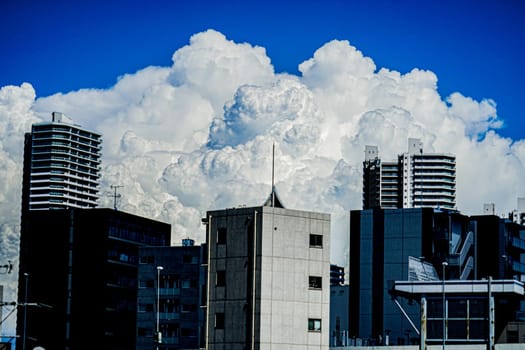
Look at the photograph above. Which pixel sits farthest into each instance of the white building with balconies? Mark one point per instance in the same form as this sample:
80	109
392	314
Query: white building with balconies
61	166
415	180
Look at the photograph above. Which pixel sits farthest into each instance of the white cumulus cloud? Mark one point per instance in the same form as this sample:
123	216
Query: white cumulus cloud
198	135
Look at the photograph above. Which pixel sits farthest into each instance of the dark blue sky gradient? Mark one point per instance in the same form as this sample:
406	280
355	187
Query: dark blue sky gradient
474	47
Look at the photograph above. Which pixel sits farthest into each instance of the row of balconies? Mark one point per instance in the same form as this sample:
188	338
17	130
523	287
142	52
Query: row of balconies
70	169
46	136
93	157
433	193
46	163
66	157
62	191
434	158
94	149
57	203
434	175
63	129
65	199
65	179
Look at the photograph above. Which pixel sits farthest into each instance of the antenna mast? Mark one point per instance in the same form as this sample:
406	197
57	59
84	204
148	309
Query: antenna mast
115	195
273	173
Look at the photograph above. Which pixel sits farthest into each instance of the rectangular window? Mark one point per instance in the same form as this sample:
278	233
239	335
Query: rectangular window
144	307
221	235
189	308
147	259
315	282
316	241
314	324
221	278
145	283
219	320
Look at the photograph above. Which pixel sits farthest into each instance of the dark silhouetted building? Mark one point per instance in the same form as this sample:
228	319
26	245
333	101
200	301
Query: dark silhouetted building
78	272
171	297
382	244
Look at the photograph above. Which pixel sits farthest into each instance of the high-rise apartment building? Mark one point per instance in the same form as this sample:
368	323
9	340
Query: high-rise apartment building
268	278
415	180
518	214
61	166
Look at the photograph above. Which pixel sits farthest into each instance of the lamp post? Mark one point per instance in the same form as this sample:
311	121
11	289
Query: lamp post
444	265
158	336
26	276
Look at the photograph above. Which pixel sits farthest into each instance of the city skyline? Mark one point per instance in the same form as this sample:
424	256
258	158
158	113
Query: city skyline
189	126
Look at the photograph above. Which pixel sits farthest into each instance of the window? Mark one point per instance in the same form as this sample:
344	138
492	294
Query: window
186	259
189	308
144	307
315	282
314	324
316	241
219	320
146	284
147	259
221	278
221	235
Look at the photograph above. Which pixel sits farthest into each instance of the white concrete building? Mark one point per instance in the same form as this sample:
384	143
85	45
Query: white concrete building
268	278
518	214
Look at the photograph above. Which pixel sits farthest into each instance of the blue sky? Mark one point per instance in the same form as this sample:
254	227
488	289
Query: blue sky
474	47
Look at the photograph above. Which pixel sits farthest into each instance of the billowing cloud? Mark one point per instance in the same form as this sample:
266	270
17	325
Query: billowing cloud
198	136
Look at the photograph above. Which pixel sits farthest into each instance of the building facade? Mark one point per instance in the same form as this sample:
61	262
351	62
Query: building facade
502	245
269	279
382	244
171	297
61	166
414	180
339	297
80	266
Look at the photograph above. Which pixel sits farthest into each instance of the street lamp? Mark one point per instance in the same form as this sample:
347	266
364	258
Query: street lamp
444	265
158	335
26	275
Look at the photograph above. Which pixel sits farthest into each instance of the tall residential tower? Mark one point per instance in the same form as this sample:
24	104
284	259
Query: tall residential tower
61	166
415	180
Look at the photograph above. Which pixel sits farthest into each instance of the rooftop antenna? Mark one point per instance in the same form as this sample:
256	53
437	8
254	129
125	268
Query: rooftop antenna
115	195
273	172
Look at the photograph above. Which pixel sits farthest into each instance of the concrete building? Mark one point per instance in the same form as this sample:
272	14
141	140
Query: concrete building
171	297
383	243
414	180
269	277
78	276
61	166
